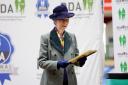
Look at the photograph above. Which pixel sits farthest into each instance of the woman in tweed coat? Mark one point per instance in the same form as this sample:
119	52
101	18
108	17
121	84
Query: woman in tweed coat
56	48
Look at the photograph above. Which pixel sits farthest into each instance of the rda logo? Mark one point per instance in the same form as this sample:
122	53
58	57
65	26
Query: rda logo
124	67
6	8
20	5
42	8
77	6
122	13
122	40
88	4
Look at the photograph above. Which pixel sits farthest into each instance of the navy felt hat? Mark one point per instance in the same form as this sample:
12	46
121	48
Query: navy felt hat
61	12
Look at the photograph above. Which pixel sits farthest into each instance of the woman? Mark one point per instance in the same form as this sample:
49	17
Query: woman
56	48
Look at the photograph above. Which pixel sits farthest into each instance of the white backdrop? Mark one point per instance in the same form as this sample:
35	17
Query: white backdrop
25	30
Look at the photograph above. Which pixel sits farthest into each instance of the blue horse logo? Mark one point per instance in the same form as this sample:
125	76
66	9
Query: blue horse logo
6	49
42	8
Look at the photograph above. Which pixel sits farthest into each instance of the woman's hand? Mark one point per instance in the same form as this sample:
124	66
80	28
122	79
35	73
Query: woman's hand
62	64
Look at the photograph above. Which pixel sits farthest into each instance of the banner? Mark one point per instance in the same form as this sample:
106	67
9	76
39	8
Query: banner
22	22
92	72
120	34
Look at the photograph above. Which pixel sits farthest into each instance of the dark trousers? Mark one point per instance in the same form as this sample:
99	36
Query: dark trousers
65	81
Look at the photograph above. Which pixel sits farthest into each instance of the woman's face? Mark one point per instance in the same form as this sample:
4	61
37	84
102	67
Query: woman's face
61	24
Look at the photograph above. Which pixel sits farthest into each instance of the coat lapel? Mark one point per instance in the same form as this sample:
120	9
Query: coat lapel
67	41
55	41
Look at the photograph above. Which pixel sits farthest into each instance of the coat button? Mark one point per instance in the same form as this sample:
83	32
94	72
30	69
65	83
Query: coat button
72	72
55	55
72	54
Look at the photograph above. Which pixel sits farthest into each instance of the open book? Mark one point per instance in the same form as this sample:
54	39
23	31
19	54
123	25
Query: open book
85	54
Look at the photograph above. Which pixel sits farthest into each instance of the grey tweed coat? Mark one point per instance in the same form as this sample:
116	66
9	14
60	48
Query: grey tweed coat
50	52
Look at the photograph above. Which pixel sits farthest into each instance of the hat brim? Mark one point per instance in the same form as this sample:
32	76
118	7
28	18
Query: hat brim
61	16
